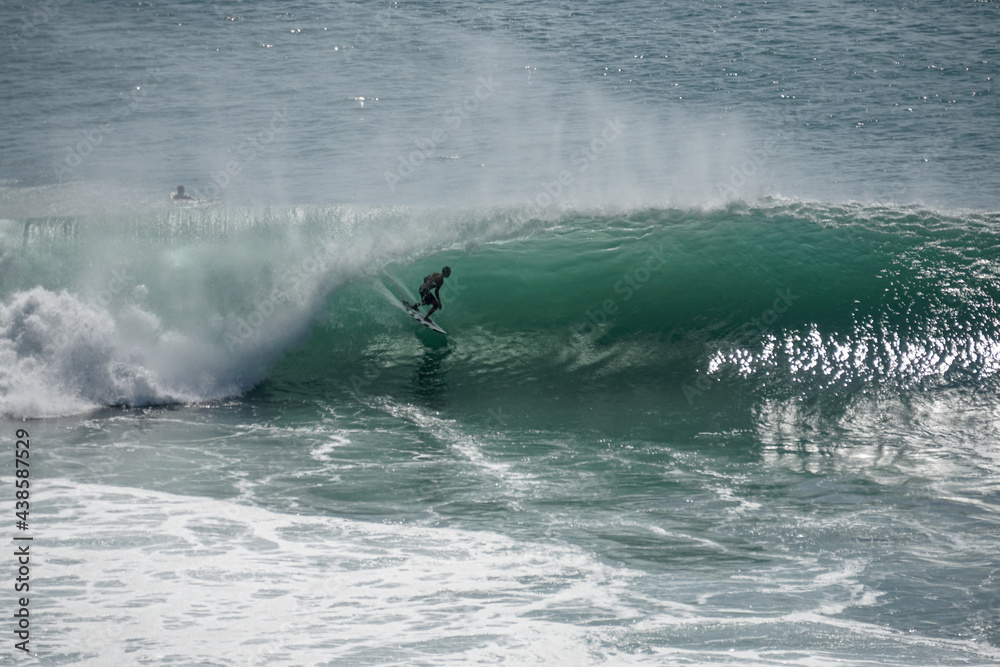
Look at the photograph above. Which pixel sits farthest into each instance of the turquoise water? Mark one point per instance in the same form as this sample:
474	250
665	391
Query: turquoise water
721	374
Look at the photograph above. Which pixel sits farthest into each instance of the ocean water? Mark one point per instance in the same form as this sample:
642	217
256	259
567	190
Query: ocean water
723	366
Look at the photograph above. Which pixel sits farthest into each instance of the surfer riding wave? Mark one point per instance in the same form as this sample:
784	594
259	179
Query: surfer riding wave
432	282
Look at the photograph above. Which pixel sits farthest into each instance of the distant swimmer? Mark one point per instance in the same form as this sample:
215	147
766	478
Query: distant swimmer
179	195
432	282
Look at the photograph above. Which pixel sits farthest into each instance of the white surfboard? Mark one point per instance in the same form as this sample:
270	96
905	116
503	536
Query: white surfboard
411	311
420	317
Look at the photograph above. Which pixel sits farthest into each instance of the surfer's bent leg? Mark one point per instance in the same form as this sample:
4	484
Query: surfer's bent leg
425	299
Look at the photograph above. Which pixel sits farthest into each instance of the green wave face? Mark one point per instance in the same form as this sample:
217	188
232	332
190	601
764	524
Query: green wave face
642	317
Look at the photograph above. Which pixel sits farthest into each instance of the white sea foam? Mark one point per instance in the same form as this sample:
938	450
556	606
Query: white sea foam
154	577
130	576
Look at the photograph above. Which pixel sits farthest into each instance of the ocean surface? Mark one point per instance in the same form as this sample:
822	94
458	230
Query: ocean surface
721	383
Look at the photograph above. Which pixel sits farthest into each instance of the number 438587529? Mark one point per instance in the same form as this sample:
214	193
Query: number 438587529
22	474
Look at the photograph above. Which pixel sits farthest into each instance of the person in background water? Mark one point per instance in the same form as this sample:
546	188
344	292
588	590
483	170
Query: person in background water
179	195
432	282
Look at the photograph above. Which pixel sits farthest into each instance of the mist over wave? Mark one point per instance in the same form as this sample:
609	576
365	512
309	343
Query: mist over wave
484	116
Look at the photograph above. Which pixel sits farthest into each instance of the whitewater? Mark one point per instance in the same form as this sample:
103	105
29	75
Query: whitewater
723	356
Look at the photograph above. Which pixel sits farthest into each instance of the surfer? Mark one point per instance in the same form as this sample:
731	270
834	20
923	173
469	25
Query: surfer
179	195
432	282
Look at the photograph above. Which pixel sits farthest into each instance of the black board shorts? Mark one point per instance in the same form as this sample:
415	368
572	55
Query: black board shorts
427	299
